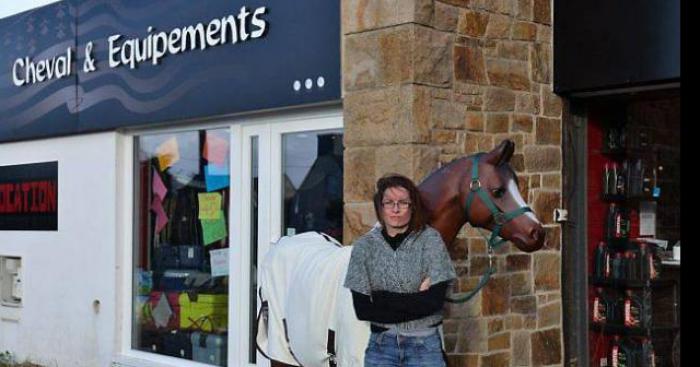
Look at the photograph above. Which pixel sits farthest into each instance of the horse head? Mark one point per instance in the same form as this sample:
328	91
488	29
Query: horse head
483	190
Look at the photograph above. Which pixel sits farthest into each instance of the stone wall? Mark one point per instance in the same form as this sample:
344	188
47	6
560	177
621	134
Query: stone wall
427	81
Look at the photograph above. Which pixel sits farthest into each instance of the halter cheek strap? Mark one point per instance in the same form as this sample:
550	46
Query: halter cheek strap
499	218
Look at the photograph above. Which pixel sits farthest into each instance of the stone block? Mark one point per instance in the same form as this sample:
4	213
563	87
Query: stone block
469	64
499	342
547	267
477	246
541	62
413	161
542	11
474	121
521	284
497	123
544	34
542	159
443	137
546	347
551	181
499	26
548	131
447	115
446	17
495	297
496	6
377	59
544	204
496	326
521	348
508	74
365	15
518	262
496	360
551	104
460	3
514	322
527	103
524	31
522	123
473	23
499	99
473	336
463	360
523	305
513	50
549	315
393	115
524	10
358	218
359	179
432	56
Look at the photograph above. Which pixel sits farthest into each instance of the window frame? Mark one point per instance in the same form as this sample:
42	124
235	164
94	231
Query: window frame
269	128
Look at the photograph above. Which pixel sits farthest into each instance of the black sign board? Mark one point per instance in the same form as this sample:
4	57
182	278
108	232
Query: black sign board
29	197
80	66
602	44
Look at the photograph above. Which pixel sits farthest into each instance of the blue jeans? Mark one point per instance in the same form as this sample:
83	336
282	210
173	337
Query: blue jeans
390	350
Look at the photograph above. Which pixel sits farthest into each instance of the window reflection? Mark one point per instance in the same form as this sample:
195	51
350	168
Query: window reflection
313	183
181	245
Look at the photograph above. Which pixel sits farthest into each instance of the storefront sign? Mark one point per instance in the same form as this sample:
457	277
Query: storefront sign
79	66
29	196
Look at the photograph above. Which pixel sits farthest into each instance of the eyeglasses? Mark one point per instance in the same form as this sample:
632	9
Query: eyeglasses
402	205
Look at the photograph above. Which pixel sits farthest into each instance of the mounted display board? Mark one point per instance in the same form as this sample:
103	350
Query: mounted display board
29	197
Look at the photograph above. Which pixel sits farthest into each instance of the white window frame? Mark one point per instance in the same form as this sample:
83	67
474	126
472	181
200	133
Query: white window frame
269	129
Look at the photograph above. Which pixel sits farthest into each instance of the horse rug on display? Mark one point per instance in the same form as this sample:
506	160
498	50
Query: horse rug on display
309	312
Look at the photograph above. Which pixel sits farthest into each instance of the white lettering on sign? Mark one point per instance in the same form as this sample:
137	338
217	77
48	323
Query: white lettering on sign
131	52
230	29
26	71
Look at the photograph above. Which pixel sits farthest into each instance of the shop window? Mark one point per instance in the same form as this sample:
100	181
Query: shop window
633	219
180	298
10	281
313	183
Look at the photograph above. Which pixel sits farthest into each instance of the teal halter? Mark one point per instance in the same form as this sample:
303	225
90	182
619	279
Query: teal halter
499	218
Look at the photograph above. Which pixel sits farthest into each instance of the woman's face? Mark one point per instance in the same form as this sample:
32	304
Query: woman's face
396	209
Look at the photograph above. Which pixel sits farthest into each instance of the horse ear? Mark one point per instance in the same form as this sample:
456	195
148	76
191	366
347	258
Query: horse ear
502	153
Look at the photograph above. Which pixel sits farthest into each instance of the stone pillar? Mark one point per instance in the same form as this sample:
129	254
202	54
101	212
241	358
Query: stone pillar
427	81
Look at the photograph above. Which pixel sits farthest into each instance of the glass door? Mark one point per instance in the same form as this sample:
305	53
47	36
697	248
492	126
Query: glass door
291	181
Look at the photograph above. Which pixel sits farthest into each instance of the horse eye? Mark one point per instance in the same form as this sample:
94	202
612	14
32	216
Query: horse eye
498	193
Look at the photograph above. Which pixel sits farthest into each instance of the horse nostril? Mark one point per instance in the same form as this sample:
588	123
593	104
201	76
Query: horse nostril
537	233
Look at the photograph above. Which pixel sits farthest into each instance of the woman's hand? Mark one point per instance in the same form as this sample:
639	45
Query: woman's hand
425	284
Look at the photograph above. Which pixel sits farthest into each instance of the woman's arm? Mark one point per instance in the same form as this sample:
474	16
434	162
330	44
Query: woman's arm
419	304
367	309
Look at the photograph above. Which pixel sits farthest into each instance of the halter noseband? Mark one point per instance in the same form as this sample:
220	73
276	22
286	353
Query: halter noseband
499	218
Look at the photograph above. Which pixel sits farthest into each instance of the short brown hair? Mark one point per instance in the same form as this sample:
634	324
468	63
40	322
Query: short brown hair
419	217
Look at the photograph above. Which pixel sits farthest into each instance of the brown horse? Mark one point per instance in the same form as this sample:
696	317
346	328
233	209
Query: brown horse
482	190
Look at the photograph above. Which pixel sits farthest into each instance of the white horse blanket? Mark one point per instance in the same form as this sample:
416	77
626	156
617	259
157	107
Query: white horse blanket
302	282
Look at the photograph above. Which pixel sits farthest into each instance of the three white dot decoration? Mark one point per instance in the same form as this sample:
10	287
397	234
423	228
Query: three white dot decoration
309	83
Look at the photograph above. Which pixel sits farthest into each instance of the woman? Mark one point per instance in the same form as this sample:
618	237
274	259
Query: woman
399	273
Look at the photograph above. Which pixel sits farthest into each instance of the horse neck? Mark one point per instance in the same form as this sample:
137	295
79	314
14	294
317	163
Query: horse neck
441	195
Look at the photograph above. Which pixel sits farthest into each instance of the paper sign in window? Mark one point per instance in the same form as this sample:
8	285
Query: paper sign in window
215	149
159	188
161	217
219	262
213	229
216	177
168	153
209	205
